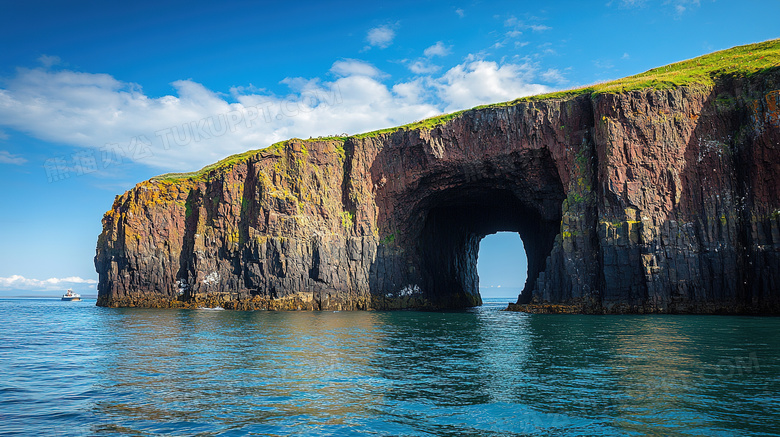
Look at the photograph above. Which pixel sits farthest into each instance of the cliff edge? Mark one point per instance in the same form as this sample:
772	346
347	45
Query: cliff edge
656	193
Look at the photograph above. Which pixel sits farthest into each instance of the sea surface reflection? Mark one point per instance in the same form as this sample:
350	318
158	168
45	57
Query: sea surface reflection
75	369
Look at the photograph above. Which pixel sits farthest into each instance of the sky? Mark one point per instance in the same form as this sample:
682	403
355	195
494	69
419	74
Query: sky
97	96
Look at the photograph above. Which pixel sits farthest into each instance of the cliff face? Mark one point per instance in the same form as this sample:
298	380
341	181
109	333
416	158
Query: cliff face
642	201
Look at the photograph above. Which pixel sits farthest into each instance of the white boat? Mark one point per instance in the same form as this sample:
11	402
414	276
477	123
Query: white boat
71	296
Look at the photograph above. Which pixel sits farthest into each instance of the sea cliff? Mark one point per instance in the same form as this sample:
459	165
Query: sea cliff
656	193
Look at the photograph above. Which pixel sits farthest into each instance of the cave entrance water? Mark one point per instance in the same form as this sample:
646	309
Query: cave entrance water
456	220
502	265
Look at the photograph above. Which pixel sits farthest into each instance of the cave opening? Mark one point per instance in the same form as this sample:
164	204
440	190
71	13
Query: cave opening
457	220
502	265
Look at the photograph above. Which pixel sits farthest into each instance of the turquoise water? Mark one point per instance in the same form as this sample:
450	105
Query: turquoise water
72	369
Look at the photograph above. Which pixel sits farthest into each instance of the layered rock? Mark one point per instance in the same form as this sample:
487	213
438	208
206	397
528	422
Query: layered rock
642	201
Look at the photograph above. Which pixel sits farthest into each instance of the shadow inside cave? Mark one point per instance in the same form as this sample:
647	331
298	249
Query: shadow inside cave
449	242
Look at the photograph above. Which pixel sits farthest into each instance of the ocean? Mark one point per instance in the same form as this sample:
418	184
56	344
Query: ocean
73	369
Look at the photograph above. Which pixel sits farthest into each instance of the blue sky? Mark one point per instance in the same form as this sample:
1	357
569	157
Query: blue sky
96	96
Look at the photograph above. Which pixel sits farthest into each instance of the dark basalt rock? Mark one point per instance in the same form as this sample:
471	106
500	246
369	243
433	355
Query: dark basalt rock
638	202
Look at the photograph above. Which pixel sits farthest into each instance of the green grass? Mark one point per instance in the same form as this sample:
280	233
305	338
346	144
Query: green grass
389	239
347	219
240	157
227	162
741	61
428	123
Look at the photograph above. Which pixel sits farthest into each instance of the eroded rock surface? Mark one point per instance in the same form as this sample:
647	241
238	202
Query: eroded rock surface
645	201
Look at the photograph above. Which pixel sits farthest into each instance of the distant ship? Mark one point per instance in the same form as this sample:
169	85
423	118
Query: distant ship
71	296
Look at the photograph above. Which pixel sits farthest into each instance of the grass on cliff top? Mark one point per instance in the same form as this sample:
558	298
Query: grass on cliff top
227	162
741	61
240	157
428	123
230	160
233	159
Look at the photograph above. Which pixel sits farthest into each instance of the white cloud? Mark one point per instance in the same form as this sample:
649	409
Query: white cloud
8	158
461	13
516	28
354	67
630	3
553	75
625	56
423	67
47	61
546	49
438	49
679	7
521	25
381	36
412	92
480	82
17	282
196	126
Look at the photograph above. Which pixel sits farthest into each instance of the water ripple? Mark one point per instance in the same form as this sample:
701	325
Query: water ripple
75	369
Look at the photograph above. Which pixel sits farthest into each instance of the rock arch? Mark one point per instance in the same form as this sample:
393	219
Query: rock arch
519	191
645	201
